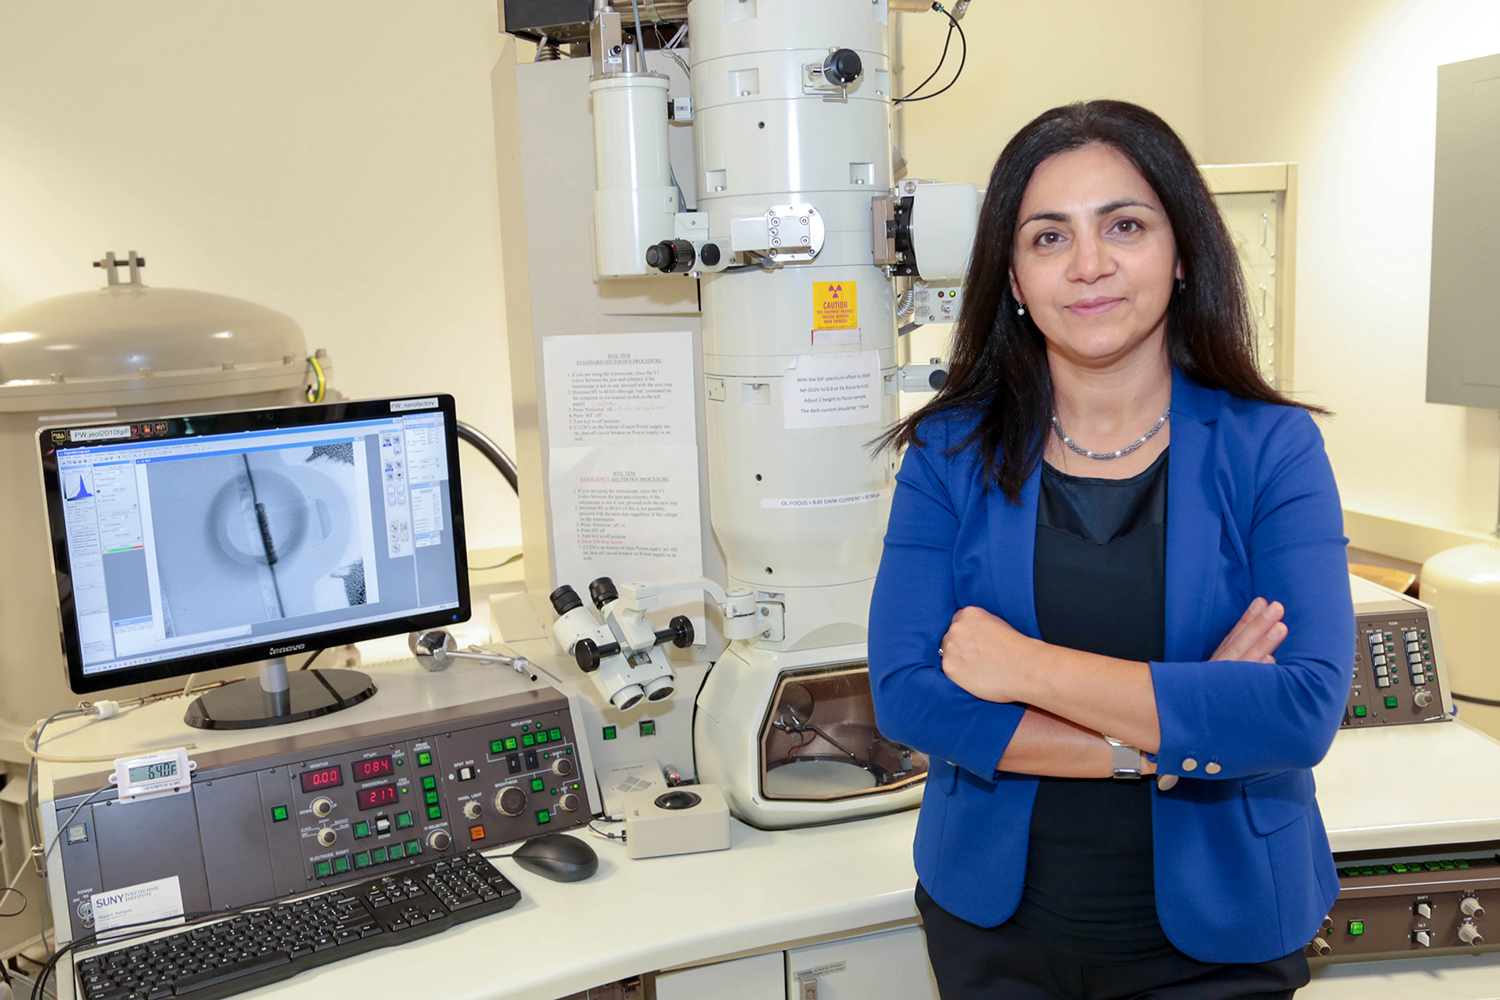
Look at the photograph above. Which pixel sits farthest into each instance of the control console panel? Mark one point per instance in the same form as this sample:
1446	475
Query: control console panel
1405	905
1398	672
270	819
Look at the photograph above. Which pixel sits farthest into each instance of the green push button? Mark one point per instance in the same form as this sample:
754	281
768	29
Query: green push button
324	869
340	865
1460	863
434	812
361	830
543	817
527	740
379	856
362	859
403	820
429	782
554	735
424	759
497	746
541	738
537	784
396	852
1356	927
648	727
1360	711
510	743
609	732
1391	701
278	814
432	798
413	848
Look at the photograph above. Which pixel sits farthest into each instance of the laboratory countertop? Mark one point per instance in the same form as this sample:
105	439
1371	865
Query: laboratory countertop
1396	787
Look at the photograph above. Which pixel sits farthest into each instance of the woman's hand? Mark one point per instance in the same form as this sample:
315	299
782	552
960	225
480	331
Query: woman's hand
1256	635
985	656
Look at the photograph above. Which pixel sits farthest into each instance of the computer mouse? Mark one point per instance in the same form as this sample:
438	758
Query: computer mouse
557	856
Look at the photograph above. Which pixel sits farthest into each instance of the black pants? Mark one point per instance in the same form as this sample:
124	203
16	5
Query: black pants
1003	963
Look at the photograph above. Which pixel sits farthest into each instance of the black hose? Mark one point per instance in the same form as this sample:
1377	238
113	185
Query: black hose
490	450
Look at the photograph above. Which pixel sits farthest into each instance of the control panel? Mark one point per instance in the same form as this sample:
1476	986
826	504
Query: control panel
1397	679
1390	907
270	819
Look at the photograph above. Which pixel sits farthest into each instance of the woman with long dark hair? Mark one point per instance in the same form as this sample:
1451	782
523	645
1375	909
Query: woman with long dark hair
1122	676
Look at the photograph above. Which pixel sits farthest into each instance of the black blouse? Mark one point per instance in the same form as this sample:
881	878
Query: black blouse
1100	586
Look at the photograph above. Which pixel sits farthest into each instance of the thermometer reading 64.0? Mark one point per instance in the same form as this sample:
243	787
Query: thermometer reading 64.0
165	772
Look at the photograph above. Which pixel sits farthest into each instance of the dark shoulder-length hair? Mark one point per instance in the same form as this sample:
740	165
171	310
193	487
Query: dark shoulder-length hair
998	365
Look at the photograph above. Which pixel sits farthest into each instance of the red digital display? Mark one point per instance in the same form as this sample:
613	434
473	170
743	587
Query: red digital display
375	767
323	777
374	798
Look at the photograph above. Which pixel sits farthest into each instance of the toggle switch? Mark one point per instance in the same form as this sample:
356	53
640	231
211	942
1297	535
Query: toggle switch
1423	938
1424	910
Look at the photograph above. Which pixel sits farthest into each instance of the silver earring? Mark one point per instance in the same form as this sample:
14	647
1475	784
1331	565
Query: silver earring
1020	309
1182	284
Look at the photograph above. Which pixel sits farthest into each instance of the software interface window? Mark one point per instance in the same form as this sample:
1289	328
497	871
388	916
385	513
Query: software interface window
197	544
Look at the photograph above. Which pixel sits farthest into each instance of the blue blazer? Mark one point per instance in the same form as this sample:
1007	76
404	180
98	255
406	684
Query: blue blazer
1243	868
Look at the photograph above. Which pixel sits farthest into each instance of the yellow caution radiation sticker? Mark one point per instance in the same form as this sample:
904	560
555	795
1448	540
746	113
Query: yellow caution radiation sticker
835	306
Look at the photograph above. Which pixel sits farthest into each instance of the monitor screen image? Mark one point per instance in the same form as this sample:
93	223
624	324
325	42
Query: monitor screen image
203	541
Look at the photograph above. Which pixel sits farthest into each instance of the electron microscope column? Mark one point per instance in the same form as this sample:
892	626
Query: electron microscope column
767	137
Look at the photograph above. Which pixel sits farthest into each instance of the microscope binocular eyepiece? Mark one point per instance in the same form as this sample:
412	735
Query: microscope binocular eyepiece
565	599
602	591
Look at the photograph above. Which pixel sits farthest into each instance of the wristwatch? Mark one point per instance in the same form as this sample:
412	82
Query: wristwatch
1127	760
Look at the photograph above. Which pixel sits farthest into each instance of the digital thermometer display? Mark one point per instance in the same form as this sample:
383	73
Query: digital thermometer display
154	771
164	772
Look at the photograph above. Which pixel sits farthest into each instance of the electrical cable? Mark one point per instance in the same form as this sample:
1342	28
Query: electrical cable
963	57
1475	699
936	70
309	661
485	445
316	392
498	565
12	889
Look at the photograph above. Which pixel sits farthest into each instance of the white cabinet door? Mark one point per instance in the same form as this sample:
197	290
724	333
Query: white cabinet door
761	977
890	965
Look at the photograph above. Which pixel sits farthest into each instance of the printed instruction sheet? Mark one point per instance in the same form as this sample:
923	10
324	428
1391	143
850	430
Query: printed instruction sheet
623	461
832	390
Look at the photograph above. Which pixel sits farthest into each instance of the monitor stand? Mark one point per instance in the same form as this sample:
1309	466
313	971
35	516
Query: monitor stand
280	697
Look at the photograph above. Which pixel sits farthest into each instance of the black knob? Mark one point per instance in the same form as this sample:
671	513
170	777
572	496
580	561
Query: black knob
671	256
842	67
603	591
565	599
679	632
588	654
710	254
937	378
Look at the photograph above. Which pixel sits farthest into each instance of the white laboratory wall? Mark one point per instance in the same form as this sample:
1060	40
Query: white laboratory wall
334	160
1026	57
1348	89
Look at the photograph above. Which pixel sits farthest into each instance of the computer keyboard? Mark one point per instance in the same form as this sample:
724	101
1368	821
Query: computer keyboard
242	952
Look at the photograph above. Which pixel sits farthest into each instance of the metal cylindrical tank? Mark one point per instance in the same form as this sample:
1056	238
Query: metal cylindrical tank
124	352
1463	584
634	199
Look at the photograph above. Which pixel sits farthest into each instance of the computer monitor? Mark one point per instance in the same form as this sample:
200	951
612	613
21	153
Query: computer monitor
189	543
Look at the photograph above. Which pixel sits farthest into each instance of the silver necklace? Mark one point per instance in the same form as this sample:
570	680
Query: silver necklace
1106	455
